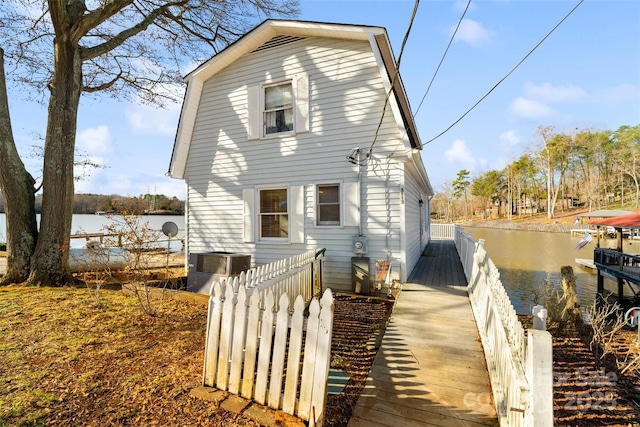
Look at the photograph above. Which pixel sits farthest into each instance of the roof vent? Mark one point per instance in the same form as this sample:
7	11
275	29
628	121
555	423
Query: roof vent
278	41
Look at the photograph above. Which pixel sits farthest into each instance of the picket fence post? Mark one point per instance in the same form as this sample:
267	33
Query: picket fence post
293	365
212	339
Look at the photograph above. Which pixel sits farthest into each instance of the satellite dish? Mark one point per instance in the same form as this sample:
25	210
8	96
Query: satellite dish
170	229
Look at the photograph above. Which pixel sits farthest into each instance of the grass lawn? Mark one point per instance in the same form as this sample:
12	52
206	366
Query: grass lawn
68	361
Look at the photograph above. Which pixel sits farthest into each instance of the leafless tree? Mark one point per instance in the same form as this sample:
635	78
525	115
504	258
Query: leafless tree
126	48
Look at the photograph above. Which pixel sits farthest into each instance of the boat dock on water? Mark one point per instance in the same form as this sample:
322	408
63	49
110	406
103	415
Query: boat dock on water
586	262
615	263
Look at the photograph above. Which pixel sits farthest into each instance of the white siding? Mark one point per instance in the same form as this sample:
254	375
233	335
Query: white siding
415	220
346	96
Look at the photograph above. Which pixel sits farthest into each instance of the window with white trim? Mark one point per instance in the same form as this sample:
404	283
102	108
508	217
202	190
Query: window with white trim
328	204
273	215
278	108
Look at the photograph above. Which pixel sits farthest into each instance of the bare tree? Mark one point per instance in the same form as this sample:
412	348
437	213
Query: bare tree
627	140
126	48
557	152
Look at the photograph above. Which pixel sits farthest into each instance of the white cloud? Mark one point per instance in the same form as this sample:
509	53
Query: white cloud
90	177
473	33
530	109
510	137
617	94
547	92
95	141
459	153
153	120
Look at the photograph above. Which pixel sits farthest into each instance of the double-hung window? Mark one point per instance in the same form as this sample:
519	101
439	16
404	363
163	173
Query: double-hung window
278	108
273	216
328	204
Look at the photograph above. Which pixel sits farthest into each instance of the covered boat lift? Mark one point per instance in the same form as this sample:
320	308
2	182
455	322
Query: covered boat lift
614	263
597	214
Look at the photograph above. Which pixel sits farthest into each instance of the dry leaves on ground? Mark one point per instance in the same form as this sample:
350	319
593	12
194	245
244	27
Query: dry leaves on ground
68	361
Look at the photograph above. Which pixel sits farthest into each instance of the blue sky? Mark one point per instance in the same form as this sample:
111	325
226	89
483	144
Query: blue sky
585	75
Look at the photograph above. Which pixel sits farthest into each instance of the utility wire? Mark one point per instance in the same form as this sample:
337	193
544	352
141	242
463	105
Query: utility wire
505	77
395	76
443	56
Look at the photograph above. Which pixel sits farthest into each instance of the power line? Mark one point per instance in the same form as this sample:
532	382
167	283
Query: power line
443	56
505	77
395	76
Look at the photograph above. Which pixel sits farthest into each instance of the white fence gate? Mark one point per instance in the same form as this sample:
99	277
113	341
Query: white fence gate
255	337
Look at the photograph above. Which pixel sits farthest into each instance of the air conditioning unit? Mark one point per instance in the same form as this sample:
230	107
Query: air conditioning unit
209	267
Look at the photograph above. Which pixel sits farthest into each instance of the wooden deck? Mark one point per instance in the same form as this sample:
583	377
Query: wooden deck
430	369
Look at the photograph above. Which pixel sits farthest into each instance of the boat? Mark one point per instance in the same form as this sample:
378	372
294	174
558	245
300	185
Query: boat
96	257
586	262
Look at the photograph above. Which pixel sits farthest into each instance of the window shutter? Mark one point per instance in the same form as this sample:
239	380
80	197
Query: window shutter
248	197
296	219
314	203
302	103
351	203
253	116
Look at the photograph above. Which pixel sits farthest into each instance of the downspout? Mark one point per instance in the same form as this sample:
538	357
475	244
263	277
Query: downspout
360	191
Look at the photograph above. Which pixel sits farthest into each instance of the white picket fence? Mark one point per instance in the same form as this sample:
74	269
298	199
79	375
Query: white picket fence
520	365
256	326
297	275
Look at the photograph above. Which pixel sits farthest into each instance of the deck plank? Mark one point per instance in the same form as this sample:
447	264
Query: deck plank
430	369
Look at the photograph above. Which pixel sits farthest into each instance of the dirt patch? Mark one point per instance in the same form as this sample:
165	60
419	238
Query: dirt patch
68	361
587	391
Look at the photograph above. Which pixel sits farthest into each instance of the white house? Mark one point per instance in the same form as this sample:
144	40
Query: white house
299	136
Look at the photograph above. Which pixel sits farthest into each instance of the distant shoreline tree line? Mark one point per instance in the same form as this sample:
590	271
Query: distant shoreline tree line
585	168
150	204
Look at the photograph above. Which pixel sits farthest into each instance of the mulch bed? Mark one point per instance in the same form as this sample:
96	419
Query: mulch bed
587	391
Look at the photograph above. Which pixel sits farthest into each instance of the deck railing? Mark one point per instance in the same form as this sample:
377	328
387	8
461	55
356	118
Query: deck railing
519	364
256	327
619	264
442	231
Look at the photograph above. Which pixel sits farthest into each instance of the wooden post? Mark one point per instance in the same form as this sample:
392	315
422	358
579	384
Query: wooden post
620	290
571	307
621	267
619	239
600	282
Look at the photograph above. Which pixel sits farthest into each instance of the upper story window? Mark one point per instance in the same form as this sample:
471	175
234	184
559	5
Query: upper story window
328	208
278	108
274	218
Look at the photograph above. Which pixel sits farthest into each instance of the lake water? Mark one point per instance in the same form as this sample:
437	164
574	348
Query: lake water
97	224
526	259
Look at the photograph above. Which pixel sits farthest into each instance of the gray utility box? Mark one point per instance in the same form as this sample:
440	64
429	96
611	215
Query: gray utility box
360	275
208	267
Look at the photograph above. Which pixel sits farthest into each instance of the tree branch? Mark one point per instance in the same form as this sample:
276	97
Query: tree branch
118	39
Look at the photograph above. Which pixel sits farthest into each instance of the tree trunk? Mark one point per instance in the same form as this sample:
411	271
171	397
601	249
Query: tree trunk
50	263
571	307
17	187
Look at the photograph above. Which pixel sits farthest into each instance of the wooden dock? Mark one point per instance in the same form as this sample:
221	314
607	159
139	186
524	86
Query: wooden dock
430	369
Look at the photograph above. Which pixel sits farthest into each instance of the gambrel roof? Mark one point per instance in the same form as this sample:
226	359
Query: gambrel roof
272	32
